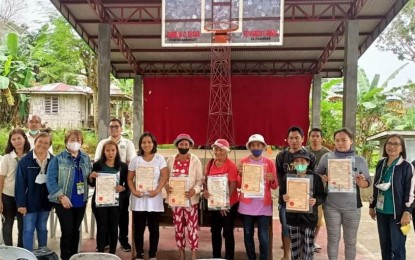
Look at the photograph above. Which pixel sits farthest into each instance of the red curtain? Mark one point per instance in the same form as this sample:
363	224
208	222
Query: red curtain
261	104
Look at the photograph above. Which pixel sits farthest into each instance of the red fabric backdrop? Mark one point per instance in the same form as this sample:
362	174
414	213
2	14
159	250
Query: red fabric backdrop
265	105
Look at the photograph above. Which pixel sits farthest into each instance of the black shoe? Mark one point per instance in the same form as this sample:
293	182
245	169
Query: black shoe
139	256
126	247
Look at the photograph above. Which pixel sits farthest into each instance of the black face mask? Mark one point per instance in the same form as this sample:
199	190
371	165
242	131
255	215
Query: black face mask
183	150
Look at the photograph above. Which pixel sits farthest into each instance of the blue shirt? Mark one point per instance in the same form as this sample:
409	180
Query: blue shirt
77	200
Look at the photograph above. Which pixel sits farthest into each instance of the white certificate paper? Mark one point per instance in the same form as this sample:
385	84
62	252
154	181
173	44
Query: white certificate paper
144	178
105	194
298	192
340	175
218	191
252	180
178	198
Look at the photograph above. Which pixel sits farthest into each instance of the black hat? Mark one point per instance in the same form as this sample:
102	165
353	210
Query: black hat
301	155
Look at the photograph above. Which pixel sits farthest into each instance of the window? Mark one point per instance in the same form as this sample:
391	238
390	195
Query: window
52	105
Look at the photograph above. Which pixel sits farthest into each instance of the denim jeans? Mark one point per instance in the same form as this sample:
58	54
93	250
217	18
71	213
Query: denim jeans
10	213
32	221
392	241
263	223
283	219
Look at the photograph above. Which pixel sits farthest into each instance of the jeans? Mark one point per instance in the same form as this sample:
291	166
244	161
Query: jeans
226	223
392	241
152	220
107	225
70	220
263	223
283	219
32	221
10	213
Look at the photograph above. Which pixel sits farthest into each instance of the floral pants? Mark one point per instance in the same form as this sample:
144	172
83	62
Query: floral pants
186	217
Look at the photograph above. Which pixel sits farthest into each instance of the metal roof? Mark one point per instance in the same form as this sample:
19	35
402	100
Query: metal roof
64	89
313	37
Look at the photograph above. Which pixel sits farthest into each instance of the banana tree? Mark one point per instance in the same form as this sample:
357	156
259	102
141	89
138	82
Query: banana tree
15	73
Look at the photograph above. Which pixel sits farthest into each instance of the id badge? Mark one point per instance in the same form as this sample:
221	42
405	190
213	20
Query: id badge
80	188
380	202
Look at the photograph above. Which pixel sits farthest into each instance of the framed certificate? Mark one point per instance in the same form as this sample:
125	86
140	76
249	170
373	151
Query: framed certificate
178	198
144	178
340	175
219	192
252	181
298	190
105	194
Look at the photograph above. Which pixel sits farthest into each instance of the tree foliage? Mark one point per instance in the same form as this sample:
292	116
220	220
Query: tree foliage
399	37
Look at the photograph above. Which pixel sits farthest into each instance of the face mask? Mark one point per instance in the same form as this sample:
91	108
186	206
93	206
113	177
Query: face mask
33	132
256	152
40	178
301	167
74	146
183	151
383	186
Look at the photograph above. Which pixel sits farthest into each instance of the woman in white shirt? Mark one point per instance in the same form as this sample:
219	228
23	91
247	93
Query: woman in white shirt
147	202
17	147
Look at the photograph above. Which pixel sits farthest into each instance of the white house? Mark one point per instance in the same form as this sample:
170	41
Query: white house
64	106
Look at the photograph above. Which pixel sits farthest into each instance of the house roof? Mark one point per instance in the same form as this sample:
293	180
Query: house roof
385	134
64	89
314	33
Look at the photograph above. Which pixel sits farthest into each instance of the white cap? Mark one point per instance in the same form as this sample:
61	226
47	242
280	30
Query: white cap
255	138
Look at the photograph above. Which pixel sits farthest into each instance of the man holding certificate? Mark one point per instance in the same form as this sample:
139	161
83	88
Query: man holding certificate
295	139
184	187
259	176
344	172
224	218
302	192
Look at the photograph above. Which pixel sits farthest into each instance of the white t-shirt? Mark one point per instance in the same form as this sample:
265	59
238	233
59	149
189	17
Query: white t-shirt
8	167
125	148
154	204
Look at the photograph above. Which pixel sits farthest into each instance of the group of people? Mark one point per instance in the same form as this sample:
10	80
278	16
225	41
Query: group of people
33	180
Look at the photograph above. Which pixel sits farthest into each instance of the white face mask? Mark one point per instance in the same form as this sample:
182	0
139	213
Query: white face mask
74	146
40	178
383	186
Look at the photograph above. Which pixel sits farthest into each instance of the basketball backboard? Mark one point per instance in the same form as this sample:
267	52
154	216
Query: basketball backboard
189	23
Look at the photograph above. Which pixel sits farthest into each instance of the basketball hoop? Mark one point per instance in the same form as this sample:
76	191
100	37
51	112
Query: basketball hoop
221	30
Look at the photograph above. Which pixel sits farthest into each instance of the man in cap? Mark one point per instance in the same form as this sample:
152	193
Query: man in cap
126	150
295	139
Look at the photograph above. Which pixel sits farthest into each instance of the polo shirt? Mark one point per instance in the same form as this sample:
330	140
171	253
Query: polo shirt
125	148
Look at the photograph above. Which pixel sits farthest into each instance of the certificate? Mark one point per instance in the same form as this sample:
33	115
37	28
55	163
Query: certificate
178	198
298	190
340	175
218	190
144	177
252	180
105	194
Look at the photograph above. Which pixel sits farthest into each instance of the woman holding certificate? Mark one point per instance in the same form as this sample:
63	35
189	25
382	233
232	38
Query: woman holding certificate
259	176
184	187
147	175
222	219
68	187
109	177
393	198
345	173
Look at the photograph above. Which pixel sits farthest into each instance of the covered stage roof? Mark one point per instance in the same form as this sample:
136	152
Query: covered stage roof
313	37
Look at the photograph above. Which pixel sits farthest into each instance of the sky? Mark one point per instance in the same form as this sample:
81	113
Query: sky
373	61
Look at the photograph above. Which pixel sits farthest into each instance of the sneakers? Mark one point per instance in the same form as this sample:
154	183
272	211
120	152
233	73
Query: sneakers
126	247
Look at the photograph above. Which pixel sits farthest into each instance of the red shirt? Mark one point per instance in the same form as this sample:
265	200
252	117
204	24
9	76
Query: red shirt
181	168
228	167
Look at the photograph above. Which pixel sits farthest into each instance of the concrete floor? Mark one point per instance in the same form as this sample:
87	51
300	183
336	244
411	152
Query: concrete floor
367	245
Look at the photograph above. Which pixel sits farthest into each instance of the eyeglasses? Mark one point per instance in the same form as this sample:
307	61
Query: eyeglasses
114	126
393	144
